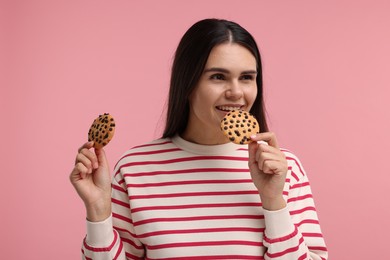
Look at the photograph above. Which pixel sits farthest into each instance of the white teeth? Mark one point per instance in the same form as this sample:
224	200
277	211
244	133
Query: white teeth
227	108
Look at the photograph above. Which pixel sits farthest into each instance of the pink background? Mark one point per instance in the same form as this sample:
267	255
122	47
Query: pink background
326	74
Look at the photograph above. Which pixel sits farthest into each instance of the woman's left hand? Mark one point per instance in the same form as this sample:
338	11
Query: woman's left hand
268	168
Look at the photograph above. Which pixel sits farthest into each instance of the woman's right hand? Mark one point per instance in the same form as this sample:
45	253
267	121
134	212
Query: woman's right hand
92	181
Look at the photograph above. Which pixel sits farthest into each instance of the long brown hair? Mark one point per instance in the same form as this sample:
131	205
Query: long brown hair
189	62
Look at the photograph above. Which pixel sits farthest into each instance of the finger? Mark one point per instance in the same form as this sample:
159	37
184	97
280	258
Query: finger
253	148
83	171
267	152
266	157
87	145
103	173
258	160
79	171
269	167
91	156
268	137
101	157
85	161
264	147
273	167
258	157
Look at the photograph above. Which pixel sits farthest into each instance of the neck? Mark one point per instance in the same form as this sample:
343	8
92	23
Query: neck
204	137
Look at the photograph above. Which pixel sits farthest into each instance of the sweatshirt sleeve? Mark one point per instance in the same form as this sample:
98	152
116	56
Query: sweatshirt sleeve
294	232
113	238
102	241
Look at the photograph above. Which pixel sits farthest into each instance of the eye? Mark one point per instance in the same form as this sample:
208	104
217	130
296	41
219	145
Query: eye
217	76
248	77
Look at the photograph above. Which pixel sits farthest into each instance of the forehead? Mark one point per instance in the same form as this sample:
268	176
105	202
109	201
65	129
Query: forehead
231	56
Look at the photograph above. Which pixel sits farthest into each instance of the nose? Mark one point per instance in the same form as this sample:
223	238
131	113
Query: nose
234	91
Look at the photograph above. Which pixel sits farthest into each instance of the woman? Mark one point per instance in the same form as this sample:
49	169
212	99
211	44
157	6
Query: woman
192	194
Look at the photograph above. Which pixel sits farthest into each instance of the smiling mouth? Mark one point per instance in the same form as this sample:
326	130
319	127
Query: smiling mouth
229	108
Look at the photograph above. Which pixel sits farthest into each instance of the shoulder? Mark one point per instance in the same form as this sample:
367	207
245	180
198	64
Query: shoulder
295	167
143	151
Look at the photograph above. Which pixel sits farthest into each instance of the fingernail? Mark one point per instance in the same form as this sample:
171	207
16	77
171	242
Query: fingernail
253	136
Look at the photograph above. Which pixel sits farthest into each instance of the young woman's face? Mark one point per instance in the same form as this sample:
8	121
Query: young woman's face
228	82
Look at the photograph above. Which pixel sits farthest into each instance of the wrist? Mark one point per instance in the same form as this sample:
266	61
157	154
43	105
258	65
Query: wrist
273	204
98	213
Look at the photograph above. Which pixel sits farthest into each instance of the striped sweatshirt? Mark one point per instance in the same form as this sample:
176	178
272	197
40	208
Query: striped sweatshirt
172	199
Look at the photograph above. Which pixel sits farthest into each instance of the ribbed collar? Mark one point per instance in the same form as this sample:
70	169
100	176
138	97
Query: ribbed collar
194	148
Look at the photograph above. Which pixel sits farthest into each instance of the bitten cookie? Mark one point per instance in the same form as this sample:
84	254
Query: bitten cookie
102	130
239	125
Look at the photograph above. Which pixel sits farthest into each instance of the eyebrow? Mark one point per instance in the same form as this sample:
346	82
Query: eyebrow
222	70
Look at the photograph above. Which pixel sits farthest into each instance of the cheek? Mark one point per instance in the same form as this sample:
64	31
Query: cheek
198	102
251	95
204	97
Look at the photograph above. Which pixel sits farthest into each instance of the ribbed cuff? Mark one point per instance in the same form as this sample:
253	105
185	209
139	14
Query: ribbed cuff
278	223
100	234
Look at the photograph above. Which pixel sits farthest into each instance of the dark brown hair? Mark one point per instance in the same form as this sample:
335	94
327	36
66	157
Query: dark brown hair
189	62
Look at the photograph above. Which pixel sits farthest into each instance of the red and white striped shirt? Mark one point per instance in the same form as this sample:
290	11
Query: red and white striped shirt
173	199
